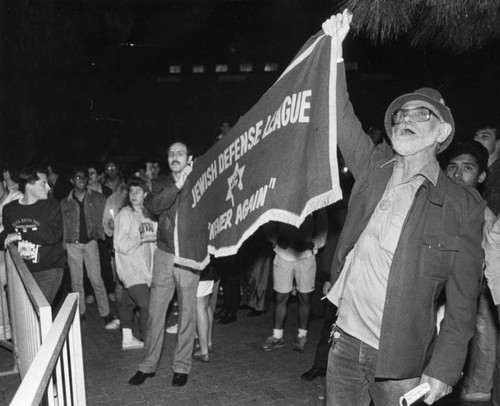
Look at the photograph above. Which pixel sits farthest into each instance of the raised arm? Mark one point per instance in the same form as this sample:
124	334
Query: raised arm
355	145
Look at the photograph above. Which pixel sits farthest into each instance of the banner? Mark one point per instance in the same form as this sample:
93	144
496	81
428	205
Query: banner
279	162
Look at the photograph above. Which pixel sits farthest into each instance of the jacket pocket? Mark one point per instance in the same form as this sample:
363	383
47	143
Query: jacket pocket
438	254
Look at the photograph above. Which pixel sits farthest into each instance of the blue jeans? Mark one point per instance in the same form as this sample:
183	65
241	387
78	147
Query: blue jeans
350	378
49	282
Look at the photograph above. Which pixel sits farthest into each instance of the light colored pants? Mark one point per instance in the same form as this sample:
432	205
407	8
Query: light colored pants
88	253
478	374
166	279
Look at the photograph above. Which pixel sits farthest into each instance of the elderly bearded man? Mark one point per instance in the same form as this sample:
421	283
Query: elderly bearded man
410	234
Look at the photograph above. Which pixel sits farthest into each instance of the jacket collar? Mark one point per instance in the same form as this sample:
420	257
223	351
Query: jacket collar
429	171
71	197
435	181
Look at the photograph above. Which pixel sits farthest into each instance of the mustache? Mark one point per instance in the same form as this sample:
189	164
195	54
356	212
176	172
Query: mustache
175	162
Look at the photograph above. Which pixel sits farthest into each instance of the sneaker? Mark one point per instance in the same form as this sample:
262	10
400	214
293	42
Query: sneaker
133	344
172	329
272	343
299	344
113	325
89	299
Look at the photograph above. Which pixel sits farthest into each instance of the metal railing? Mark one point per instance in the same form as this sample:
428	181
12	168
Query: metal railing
5	334
30	313
57	370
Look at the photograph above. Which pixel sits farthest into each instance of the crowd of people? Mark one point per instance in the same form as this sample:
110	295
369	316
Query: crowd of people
402	265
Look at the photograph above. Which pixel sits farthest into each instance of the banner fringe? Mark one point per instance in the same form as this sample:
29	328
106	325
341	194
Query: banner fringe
316	203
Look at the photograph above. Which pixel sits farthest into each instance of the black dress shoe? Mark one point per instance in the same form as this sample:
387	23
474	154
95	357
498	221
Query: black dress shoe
140	377
255	313
179	379
230	318
313	373
220	314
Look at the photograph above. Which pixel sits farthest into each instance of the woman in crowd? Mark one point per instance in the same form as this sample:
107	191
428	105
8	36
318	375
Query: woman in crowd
205	313
134	243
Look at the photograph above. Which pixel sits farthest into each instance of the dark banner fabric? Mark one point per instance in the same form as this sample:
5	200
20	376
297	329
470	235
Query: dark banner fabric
279	162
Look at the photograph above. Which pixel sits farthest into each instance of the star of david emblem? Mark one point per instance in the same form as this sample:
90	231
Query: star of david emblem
235	181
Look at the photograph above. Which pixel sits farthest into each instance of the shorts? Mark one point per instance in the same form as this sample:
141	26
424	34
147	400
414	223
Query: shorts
302	270
205	288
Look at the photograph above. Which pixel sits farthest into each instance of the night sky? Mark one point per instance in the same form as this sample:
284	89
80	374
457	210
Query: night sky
89	80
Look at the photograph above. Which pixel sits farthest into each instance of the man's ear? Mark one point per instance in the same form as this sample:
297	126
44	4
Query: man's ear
444	132
72	182
481	177
497	144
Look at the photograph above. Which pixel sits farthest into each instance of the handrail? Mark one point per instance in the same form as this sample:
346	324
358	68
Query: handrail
37	378
29	282
30	313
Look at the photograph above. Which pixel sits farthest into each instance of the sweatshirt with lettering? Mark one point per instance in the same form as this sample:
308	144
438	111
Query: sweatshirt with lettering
41	228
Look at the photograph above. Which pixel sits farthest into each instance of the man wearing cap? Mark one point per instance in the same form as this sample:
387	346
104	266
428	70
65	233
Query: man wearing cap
411	234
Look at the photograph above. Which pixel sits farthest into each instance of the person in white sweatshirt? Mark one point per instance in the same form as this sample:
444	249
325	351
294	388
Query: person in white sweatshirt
134	243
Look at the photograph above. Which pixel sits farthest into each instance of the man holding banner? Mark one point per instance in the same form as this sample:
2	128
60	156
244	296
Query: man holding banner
410	234
164	203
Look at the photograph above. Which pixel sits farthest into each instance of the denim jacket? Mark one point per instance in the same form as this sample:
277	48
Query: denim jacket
94	203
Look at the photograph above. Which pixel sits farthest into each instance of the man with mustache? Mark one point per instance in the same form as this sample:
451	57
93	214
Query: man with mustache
164	202
410	235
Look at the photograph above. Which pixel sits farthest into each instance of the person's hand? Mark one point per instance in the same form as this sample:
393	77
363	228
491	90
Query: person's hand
337	27
327	285
183	175
13	237
301	246
283	243
438	389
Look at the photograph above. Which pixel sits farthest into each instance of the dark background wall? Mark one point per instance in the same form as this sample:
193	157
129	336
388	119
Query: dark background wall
90	79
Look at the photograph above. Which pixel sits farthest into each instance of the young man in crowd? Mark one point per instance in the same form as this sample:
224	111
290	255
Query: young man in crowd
487	134
112	176
82	212
295	260
35	223
467	163
164	202
410	233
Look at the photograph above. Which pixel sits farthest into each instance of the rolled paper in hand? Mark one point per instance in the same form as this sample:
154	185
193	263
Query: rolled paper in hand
415	395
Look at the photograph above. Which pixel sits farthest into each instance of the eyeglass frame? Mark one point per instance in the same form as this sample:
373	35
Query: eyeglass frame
429	111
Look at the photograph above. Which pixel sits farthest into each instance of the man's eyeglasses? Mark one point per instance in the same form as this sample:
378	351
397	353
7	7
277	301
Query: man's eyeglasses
80	177
419	114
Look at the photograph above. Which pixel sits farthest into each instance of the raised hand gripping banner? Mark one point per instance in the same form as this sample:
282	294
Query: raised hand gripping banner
279	162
